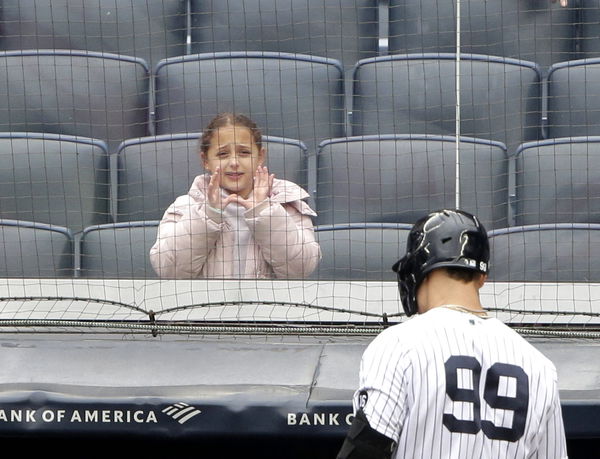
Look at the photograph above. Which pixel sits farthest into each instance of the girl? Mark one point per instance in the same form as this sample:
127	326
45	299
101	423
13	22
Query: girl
238	220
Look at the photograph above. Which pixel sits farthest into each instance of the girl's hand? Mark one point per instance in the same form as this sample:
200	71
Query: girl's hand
214	195
263	182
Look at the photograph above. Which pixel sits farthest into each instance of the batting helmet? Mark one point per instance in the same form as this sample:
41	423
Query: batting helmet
442	239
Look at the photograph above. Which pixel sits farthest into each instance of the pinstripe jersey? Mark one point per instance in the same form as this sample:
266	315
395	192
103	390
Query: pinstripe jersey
449	384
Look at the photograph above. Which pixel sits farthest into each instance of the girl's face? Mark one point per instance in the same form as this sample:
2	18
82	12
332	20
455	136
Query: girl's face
233	150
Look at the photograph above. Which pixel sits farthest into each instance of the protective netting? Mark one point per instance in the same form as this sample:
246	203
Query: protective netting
382	110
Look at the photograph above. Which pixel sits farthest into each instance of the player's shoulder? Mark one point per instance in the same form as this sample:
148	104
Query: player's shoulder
410	338
524	345
407	333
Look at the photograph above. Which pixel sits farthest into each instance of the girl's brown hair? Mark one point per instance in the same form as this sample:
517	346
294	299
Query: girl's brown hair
229	119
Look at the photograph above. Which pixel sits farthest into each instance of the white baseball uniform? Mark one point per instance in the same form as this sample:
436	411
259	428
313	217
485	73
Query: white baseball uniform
450	384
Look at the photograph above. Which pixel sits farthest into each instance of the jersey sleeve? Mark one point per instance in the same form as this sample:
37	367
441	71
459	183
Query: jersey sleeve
553	443
382	390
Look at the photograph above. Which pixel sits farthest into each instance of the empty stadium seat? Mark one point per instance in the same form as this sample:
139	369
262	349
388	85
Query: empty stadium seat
346	31
153	171
560	252
558	181
538	31
401	178
360	251
298	97
29	249
117	250
589	25
574	99
87	94
149	29
55	179
415	94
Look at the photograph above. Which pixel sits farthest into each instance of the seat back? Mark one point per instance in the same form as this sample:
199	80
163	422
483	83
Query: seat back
541	32
54	179
558	181
87	94
546	253
118	250
29	249
416	94
297	97
574	99
399	179
346	31
360	251
589	26
151	30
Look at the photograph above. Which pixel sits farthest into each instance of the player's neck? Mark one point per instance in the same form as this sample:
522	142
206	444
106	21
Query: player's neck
441	290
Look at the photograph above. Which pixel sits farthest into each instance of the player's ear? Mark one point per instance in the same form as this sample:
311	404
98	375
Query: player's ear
482	280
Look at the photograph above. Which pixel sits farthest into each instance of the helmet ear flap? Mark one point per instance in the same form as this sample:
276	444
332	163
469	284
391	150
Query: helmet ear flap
407	283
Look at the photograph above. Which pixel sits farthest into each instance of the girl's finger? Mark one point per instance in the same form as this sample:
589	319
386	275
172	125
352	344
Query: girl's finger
261	178
215	178
238	200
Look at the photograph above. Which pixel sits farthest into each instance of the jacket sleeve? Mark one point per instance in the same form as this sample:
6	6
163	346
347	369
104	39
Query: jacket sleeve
187	233
285	237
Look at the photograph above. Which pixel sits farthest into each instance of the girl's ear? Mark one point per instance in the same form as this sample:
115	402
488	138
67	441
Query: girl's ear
203	160
262	156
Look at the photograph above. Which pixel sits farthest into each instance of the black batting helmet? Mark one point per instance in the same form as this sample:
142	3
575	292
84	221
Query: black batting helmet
442	239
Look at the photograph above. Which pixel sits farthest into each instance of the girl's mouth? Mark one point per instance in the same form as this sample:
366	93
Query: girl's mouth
234	175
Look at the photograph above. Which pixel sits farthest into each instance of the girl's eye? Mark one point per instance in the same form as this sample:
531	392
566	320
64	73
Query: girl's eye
221	154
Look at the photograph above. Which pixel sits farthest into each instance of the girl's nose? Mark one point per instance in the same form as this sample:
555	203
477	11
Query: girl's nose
234	160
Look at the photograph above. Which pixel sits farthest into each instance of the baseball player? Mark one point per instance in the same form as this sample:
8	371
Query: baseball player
452	382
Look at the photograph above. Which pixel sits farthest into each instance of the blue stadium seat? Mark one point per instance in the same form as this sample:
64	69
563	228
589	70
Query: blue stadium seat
346	31
574	99
56	179
153	171
117	250
29	249
415	94
561	252
538	31
558	181
360	251
149	29
293	96
399	179
102	96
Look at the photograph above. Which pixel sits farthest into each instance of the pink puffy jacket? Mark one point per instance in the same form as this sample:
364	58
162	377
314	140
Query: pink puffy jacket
194	241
